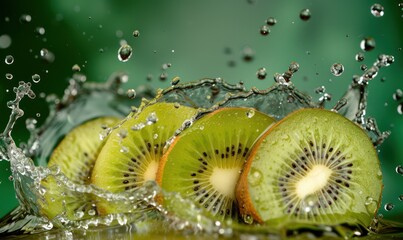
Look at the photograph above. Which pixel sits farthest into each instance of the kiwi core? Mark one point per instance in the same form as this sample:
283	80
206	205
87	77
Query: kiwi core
313	181
224	180
151	171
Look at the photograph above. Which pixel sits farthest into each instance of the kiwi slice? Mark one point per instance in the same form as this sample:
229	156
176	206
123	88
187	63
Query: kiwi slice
75	156
132	152
204	161
314	166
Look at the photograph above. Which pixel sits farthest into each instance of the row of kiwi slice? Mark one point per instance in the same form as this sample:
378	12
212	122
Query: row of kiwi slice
314	166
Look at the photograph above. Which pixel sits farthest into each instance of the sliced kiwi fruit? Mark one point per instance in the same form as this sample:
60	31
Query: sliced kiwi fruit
313	167
204	162
75	156
131	155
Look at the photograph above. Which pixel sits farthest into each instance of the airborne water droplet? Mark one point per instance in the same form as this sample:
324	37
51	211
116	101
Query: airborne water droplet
337	69
271	21
359	57
377	10
124	53
76	68
9	76
399	170
131	93
261	73
264	30
389	206
36	78
136	33
400	110
5	41
247	54
305	14
9	59
397	95
367	44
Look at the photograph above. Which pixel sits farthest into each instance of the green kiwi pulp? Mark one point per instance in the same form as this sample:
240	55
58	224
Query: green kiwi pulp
314	167
75	156
204	162
132	152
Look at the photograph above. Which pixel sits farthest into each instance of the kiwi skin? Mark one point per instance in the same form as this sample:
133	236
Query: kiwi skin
249	211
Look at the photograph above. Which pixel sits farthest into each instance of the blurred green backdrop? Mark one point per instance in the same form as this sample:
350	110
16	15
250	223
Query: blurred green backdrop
203	39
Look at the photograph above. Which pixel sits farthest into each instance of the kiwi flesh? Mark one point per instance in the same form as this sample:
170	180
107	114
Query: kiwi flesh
204	162
75	157
131	155
313	167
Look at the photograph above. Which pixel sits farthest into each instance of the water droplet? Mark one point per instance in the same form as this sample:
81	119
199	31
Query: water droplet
47	55
271	21
320	89
175	80
400	109
9	59
79	214
369	200
248	219
389	206
255	177
337	69
261	73
11	178
131	93
40	30
76	68
305	14
264	30
124	53
250	113
399	170
5	41
398	95
152	118
294	67
377	10
136	33
165	66
9	76
155	136
91	212
401	197
163	76
247	54
363	67
25	18
367	44
36	78
359	57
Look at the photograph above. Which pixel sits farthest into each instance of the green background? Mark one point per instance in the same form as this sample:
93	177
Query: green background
205	39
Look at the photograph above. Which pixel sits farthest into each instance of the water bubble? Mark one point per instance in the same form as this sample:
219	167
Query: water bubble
11	178
398	95
337	69
359	57
363	67
271	21
320	89
165	66
264	30
5	41
131	93
40	30
36	78
389	206
9	76
247	54
399	170
175	80
261	73
9	59
25	18
136	33
367	44
124	53
305	14
377	10
294	67
76	68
